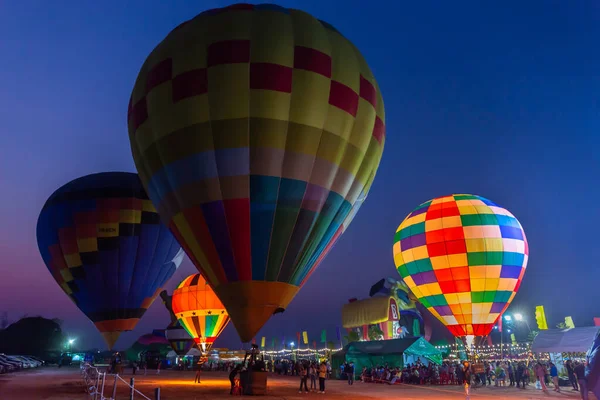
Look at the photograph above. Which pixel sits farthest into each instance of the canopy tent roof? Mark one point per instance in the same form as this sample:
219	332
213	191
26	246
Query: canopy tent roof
574	340
192	352
369	311
410	346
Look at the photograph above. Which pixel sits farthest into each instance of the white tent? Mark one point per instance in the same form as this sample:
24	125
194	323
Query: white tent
192	352
575	340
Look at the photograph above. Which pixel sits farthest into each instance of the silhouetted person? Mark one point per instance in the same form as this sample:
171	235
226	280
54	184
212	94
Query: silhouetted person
232	376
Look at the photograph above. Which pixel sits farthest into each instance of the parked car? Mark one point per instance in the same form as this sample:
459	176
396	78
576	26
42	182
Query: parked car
7	367
21	363
7	361
42	362
27	363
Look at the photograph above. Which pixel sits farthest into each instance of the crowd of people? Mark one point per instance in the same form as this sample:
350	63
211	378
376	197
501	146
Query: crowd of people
506	373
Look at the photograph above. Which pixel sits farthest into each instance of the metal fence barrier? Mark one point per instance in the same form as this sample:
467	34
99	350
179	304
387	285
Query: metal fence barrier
96	381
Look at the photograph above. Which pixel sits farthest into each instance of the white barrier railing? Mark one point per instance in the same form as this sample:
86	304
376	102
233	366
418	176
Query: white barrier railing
95	383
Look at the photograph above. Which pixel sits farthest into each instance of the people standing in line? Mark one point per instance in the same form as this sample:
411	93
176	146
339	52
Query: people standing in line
322	376
554	375
579	371
466	379
350	373
301	368
312	372
571	374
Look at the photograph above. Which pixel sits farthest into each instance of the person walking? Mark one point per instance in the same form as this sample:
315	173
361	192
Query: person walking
303	377
466	379
554	375
579	371
312	372
350	373
519	374
322	376
511	373
232	376
198	370
540	373
571	374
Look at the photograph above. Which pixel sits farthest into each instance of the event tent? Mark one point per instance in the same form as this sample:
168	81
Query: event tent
574	340
392	352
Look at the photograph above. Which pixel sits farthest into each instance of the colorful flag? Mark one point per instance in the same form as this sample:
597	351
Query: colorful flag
324	336
262	342
305	337
513	338
298	336
540	317
489	340
253	340
500	324
596	321
273	344
315	344
569	323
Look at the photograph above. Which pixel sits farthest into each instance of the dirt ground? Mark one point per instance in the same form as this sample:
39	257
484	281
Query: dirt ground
66	384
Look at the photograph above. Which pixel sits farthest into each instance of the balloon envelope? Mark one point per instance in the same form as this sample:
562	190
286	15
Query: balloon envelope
257	131
180	340
199	311
104	244
464	258
151	338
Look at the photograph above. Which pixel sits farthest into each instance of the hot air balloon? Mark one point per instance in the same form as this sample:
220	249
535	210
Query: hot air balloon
464	258
257	131
199	311
104	244
181	342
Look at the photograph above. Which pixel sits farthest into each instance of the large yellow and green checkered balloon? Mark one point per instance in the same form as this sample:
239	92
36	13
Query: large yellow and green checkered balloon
257	131
463	257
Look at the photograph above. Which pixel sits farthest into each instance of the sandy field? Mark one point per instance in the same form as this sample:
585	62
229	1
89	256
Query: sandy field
66	384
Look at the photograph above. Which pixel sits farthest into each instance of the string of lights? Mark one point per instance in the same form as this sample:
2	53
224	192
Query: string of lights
299	351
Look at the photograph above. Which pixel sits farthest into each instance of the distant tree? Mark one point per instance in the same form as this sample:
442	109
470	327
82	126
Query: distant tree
531	336
32	336
352	337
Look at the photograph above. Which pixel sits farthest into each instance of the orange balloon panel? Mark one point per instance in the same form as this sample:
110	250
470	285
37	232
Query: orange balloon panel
199	310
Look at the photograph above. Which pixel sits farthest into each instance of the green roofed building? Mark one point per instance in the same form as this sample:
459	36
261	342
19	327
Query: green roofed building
395	353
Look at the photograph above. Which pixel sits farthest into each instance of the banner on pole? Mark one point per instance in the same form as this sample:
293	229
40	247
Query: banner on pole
540	317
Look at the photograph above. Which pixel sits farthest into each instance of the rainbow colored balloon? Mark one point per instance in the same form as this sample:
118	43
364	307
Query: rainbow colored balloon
199	311
464	258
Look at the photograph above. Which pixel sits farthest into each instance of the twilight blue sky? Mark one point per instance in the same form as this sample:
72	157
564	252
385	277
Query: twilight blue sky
497	99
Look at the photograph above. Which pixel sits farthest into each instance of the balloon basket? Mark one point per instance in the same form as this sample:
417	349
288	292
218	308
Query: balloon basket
254	383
